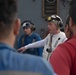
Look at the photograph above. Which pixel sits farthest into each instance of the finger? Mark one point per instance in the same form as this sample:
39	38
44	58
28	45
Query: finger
22	51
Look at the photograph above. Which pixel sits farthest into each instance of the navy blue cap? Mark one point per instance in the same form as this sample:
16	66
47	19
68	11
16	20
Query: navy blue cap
26	24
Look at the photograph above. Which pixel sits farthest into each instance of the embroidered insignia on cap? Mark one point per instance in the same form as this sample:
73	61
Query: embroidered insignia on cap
49	18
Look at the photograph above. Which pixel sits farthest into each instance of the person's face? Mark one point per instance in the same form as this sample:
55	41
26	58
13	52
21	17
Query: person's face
52	27
27	31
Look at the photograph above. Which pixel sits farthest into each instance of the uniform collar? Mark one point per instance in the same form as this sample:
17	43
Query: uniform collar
5	46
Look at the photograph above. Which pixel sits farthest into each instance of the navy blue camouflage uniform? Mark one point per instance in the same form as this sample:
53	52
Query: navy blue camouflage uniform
25	40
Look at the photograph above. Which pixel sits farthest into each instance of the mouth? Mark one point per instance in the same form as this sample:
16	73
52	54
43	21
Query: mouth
49	30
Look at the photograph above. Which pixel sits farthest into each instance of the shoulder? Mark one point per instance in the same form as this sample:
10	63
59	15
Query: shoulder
37	36
63	50
48	36
62	33
61	58
33	63
24	62
62	36
60	53
26	58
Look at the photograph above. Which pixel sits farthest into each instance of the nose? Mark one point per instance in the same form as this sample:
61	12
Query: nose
25	29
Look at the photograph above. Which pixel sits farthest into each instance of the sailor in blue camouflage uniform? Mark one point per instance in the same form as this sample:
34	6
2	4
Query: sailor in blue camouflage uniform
29	37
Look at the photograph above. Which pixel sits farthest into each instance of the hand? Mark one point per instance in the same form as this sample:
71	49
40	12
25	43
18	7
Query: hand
22	49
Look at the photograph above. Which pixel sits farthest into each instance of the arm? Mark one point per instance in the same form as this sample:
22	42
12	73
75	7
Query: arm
37	44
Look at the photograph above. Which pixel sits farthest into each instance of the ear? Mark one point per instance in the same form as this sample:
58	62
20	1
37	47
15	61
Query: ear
71	22
67	28
17	27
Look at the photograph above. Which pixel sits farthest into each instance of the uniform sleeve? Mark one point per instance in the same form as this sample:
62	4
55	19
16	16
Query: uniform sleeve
61	60
37	44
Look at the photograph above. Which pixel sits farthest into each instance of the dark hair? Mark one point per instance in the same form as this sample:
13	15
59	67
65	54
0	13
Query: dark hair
8	11
72	10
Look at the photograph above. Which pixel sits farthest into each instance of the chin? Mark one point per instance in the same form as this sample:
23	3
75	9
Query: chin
49	31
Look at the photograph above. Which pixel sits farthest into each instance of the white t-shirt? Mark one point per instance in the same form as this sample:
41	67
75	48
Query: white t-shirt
56	40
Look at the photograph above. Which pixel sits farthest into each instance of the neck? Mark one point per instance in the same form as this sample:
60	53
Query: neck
30	33
57	31
9	40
